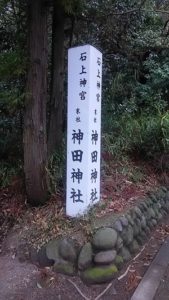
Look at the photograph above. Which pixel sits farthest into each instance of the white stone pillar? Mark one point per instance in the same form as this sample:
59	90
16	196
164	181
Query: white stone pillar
84	129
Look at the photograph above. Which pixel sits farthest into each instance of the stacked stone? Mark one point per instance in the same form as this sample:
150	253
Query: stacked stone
101	266
64	253
100	259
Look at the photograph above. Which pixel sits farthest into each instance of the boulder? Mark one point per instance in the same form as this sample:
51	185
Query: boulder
129	218
43	259
68	249
100	274
119	261
138	212
104	239
143	222
167	196
134	246
105	257
124	221
64	267
154	222
127	235
151	213
140	240
119	243
118	226
125	253
85	257
137	227
52	251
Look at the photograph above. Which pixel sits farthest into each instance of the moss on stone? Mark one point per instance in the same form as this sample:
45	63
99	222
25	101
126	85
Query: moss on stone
64	268
99	274
119	261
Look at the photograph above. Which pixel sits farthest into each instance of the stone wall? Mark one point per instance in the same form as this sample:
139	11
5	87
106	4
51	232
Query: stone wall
100	259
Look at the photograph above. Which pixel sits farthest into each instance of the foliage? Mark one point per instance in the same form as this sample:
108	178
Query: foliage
56	170
133	37
165	130
135	135
8	171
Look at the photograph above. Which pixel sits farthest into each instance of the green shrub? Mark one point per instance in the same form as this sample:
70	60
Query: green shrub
142	134
8	171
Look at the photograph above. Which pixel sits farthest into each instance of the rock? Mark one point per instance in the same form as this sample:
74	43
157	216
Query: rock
164	189
127	235
105	257
142	208
129	218
144	205
118	226
143	222
147	230
153	197
118	261
105	239
154	222
161	194
137	227
68	249
159	205
164	212
156	212
167	196
133	214
150	224
138	212
124	221
160	216
124	252
85	257
99	274
134	246
151	213
64	267
143	235
151	202
52	251
135	230
43	260
162	203
147	202
140	240
119	243
167	206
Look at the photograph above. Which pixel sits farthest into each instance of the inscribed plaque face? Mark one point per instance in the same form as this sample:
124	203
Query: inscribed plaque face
83	131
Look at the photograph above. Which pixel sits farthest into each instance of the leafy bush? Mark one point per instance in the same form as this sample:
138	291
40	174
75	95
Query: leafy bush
141	134
8	171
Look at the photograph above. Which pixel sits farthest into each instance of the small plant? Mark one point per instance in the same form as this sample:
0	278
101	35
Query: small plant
140	134
7	172
165	130
57	170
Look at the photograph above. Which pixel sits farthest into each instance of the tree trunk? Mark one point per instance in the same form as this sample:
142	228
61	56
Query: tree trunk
35	146
57	80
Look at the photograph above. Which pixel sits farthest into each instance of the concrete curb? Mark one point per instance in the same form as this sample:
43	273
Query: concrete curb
147	288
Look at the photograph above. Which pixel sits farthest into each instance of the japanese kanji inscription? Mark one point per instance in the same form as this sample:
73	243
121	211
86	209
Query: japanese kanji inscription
83	131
